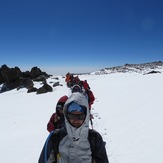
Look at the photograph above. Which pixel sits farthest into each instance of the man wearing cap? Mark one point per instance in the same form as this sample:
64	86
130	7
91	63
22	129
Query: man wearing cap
73	143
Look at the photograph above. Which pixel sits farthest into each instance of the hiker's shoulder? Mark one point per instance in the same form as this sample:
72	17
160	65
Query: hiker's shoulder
94	133
59	133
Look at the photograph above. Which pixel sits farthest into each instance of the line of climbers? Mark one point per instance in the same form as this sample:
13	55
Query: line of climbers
73	82
57	119
70	139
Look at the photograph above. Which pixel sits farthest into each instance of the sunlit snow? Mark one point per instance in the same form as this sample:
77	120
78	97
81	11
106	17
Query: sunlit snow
128	113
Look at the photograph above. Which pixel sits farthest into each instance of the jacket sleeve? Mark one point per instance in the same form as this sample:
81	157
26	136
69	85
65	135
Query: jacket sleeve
47	153
100	155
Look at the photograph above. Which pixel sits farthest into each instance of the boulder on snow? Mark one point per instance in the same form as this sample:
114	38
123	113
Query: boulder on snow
44	89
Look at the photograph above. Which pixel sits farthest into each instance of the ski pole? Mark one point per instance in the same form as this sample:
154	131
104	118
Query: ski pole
91	122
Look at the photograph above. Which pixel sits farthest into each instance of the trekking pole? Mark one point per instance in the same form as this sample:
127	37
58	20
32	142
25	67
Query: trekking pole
91	122
91	116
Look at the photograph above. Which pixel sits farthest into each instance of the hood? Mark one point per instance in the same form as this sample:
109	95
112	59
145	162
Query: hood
61	102
82	131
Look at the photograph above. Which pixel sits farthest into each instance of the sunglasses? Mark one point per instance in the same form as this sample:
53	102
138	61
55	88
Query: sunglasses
76	89
76	116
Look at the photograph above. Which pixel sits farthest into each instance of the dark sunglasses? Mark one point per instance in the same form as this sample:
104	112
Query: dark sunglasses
76	116
76	89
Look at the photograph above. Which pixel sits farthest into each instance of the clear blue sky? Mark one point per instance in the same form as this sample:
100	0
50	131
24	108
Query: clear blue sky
80	33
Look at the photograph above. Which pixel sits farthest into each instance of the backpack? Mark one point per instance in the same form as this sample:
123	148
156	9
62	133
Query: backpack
85	84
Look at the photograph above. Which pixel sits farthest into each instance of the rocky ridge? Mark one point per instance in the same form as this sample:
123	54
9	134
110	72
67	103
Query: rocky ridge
144	68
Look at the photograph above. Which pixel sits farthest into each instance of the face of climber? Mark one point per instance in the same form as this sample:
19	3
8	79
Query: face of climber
60	109
76	115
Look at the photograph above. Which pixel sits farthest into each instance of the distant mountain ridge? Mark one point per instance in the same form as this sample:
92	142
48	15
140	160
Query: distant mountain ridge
137	68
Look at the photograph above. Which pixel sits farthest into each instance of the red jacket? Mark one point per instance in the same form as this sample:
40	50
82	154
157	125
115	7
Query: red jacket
57	119
91	97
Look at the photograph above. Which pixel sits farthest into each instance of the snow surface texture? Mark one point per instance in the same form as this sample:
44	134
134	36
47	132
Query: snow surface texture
128	113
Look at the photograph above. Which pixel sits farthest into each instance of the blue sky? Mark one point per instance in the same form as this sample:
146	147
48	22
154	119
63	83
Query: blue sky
80	35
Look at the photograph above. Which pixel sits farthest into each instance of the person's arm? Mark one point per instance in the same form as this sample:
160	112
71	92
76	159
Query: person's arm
52	122
100	155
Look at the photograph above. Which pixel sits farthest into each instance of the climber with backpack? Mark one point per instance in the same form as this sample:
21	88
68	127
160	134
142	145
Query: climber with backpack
72	81
69	79
57	119
74	143
84	88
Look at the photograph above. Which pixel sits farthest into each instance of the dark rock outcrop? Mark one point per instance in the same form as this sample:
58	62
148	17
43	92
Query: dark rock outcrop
44	89
152	72
12	78
9	74
32	89
56	84
25	83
